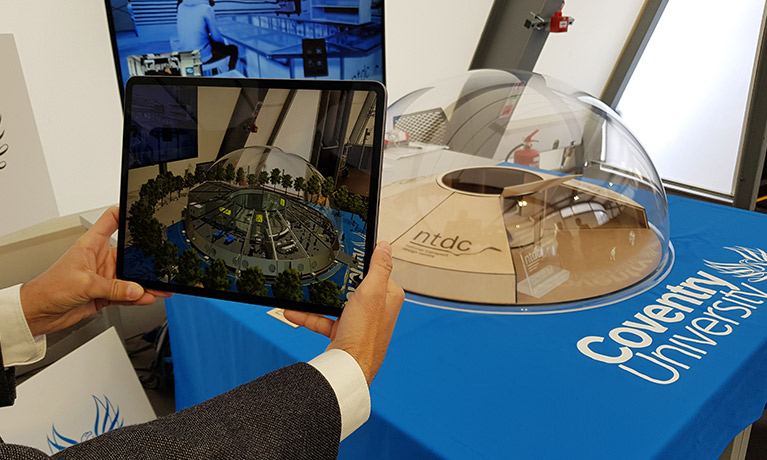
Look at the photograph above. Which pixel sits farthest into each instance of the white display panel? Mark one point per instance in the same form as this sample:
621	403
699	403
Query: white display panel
585	55
66	57
687	98
24	181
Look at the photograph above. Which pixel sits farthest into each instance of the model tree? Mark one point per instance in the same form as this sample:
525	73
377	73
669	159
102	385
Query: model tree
313	187
199	175
164	186
274	178
217	276
221	173
240	175
210	174
252	281
341	197
287	285
147	235
299	184
189	179
263	178
359	206
150	192
165	260
231	174
178	185
287	182
252	180
189	271
328	186
326	292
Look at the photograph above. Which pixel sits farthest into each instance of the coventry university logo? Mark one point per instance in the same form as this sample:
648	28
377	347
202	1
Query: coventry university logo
752	265
107	419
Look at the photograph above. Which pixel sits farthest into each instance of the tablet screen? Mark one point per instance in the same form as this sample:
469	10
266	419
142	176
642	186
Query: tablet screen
263	191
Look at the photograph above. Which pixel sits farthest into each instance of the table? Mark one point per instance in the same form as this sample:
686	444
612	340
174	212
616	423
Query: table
466	385
277	54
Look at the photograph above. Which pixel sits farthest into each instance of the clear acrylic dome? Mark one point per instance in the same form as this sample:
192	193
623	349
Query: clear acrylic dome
255	159
505	191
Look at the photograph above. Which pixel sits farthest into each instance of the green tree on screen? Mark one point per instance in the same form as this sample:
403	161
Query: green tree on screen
287	285
287	182
252	281
217	276
165	260
326	292
189	271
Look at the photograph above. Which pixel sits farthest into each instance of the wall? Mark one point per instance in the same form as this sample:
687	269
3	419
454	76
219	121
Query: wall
431	39
300	142
65	51
427	40
26	254
585	55
66	55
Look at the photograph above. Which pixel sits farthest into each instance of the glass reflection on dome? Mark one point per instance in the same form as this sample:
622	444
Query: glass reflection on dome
509	192
255	159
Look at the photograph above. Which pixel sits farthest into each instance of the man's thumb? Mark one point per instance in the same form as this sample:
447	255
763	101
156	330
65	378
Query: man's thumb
115	290
381	263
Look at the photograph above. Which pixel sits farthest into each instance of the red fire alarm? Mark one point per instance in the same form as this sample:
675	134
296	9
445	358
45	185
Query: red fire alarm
559	23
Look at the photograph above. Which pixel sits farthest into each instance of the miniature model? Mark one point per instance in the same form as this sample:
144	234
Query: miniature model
262	225
475	219
207	206
514	236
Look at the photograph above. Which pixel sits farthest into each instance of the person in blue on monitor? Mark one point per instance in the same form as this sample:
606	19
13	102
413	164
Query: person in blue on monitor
197	30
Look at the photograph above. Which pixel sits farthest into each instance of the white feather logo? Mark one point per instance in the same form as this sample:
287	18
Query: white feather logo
753	265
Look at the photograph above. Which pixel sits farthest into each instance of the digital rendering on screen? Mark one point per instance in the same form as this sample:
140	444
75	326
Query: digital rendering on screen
339	39
260	191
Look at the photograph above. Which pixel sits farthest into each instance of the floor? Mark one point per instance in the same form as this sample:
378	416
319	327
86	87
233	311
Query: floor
757	445
158	387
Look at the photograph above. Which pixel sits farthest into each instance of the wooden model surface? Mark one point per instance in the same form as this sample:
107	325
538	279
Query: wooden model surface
556	241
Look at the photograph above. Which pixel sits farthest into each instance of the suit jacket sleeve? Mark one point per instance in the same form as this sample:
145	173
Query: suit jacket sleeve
290	413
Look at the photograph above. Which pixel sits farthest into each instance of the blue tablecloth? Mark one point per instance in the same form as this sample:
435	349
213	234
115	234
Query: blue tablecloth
466	385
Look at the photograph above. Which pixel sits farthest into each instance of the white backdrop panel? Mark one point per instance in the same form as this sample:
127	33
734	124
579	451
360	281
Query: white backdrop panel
66	54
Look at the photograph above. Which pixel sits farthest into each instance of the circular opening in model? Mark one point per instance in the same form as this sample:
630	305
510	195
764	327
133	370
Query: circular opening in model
487	181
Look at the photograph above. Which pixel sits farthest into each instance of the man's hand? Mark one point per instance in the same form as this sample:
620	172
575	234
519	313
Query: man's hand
366	325
81	283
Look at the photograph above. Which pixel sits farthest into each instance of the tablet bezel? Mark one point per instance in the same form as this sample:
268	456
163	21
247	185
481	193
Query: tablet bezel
321	85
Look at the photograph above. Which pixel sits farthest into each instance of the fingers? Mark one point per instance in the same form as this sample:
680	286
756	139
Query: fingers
114	290
395	296
380	266
107	223
156	293
316	323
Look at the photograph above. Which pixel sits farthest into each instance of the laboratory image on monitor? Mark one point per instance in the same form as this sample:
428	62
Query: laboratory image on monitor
333	39
253	190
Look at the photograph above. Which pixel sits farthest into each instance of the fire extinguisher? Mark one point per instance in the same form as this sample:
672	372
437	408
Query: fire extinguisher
526	155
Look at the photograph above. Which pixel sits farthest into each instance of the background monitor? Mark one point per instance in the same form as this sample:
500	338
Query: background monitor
339	39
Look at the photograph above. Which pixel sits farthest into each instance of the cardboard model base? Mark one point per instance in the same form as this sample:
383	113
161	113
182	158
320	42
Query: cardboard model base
506	235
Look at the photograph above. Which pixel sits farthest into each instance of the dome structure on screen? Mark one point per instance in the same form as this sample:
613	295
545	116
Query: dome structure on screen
255	159
510	192
263	224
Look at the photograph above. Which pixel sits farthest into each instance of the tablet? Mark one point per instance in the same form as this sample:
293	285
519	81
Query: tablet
252	190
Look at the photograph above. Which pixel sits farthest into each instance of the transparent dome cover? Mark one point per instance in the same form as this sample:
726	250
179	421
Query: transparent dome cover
259	158
505	191
274	221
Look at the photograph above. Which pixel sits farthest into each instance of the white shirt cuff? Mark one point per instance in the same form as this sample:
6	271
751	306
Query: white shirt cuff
348	381
18	345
